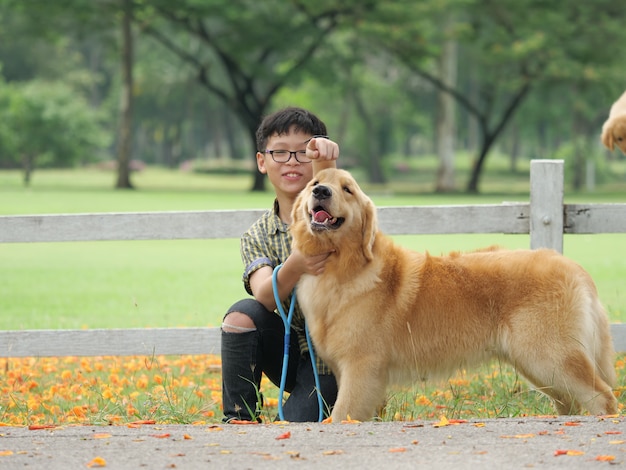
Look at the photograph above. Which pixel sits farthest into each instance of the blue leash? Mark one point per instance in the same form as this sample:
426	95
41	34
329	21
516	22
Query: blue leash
287	322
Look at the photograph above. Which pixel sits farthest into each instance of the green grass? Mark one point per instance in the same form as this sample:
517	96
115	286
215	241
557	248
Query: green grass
192	282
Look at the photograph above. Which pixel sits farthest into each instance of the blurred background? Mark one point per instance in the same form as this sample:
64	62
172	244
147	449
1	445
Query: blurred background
424	92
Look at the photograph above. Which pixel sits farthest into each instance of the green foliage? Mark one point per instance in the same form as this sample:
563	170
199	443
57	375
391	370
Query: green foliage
205	71
47	124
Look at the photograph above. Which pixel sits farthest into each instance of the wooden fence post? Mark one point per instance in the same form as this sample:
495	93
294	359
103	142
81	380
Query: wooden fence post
546	204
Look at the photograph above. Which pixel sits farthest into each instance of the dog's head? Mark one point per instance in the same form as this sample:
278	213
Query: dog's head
614	133
332	212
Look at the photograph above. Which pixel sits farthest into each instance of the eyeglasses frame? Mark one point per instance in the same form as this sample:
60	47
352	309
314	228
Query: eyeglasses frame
295	153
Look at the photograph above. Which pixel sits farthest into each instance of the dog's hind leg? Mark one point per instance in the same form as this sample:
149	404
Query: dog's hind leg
587	385
362	390
571	383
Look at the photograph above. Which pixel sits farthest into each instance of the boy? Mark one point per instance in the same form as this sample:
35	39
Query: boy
291	147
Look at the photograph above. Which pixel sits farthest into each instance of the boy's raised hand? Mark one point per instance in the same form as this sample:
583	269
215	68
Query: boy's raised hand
323	152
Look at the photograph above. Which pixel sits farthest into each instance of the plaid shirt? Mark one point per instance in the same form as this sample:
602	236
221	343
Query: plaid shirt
268	243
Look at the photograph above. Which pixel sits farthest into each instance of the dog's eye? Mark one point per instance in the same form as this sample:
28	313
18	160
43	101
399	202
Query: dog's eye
347	189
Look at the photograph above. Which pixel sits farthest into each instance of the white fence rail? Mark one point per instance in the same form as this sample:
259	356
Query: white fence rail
545	218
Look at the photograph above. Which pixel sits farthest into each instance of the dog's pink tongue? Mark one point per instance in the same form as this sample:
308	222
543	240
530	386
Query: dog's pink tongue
321	216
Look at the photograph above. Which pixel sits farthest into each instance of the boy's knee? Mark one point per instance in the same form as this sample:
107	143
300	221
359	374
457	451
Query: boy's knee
237	322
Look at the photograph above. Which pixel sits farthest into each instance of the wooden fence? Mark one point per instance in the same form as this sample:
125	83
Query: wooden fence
545	218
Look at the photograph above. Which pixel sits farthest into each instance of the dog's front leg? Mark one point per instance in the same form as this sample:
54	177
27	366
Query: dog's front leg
361	391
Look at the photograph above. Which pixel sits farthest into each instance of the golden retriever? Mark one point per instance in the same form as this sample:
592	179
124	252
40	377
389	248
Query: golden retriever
614	129
382	314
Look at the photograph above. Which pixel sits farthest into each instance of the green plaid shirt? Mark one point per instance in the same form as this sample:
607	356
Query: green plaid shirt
268	243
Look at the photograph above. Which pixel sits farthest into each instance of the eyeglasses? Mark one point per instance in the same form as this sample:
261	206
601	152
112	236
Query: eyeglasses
283	156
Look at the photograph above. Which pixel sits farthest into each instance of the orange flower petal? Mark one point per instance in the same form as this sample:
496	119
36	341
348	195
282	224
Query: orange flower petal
97	462
568	452
442	422
285	435
350	420
518	436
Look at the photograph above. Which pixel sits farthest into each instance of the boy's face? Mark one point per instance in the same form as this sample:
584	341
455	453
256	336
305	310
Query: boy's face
291	177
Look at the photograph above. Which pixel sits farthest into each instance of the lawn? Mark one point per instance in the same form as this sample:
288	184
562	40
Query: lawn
192	282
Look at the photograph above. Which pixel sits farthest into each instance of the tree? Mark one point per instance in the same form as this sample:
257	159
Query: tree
124	151
47	123
446	118
68	22
245	51
511	51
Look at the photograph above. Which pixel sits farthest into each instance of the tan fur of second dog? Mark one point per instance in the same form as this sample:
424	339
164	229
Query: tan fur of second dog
381	314
614	129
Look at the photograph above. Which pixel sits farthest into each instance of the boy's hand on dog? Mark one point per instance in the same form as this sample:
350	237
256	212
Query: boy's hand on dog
313	265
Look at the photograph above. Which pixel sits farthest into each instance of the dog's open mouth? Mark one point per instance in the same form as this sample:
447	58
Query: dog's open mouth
323	220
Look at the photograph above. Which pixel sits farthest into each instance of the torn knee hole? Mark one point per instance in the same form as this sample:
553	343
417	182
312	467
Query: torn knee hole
228	328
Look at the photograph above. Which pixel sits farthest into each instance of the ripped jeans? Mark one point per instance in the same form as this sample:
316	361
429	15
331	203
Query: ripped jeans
246	355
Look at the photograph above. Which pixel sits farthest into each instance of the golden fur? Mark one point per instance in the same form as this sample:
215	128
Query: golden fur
381	314
614	129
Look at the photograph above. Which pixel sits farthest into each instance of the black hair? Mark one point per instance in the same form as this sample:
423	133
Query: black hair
281	122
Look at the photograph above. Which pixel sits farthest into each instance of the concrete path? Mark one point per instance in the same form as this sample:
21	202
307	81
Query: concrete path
546	442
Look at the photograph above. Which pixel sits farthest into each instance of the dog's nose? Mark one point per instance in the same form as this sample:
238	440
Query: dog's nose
322	192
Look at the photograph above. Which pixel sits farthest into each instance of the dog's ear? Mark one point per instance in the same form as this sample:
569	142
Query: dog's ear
296	210
370	228
297	223
607	136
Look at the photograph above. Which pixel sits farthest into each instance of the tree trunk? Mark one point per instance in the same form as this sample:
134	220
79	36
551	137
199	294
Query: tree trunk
372	145
489	137
515	147
446	128
27	166
258	183
477	167
579	157
126	108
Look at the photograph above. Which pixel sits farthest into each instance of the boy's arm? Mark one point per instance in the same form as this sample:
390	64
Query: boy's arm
323	152
262	287
293	268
